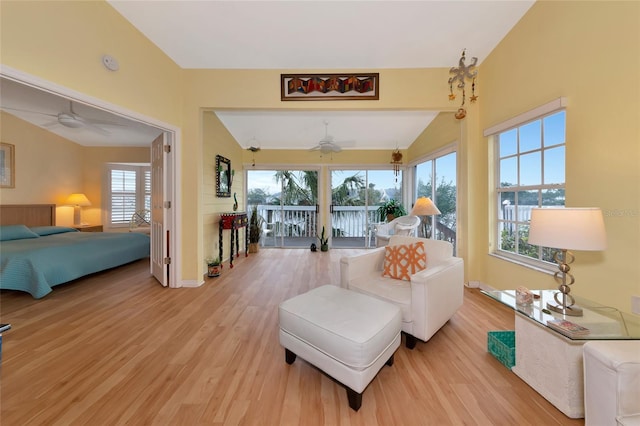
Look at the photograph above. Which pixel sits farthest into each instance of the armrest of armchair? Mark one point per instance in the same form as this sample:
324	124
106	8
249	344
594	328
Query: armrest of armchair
436	294
352	267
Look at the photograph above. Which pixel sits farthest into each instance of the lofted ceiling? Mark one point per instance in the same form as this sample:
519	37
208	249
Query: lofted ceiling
346	35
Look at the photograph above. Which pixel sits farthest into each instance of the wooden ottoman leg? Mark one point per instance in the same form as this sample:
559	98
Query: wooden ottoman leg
289	356
355	399
390	361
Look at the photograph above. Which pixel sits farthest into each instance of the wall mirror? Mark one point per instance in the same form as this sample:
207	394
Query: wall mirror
223	176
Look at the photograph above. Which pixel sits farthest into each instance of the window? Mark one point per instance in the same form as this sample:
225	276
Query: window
530	170
129	189
436	178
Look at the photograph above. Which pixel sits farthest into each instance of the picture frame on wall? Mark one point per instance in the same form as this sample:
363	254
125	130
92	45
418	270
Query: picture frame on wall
318	87
224	176
7	165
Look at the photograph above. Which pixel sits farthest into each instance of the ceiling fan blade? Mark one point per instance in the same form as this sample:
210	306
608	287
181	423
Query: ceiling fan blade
346	143
50	124
97	129
28	111
102	122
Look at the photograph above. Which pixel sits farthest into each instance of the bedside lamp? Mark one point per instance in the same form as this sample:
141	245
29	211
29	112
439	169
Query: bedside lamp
567	229
424	207
77	201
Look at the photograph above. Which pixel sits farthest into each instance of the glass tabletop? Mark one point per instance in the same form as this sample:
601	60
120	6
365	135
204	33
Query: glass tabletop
602	322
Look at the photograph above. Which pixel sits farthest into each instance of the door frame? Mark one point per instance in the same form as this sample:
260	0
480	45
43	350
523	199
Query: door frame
171	174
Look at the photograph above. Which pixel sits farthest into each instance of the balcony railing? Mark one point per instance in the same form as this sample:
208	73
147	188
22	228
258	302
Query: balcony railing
346	222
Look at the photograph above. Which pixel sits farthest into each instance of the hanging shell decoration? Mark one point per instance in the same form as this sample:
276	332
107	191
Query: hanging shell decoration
396	160
461	73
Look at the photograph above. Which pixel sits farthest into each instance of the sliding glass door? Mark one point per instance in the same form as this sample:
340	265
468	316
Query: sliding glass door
355	198
287	201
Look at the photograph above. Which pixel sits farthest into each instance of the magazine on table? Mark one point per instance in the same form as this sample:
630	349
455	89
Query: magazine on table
567	327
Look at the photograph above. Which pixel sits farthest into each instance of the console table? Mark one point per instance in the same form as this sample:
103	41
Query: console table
234	221
551	362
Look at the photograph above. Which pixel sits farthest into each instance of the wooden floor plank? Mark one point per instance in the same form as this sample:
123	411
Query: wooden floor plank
117	348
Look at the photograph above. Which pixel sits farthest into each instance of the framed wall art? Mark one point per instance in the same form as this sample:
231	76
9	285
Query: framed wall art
318	87
223	176
7	165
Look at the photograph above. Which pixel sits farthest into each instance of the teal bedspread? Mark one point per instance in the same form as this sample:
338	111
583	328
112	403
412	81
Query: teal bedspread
35	265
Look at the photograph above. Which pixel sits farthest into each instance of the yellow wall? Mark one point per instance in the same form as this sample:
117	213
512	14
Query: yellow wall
41	153
63	42
49	168
588	52
218	141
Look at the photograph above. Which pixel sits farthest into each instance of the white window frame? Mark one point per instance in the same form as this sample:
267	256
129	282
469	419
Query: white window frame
143	174
493	132
433	156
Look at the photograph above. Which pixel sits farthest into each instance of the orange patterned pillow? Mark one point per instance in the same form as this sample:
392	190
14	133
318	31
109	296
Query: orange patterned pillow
402	261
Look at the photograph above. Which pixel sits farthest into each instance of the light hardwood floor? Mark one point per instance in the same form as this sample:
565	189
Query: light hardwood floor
117	348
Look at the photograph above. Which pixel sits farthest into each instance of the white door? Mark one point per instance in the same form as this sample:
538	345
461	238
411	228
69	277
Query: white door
160	260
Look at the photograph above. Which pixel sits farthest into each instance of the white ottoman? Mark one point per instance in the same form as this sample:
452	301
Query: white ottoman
348	335
612	382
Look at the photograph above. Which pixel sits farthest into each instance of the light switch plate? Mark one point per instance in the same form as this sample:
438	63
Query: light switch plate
635	304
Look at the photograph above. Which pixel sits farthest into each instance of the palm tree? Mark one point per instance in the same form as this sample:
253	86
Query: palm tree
348	192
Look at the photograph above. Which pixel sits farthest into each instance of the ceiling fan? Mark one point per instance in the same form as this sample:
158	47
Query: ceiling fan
72	120
327	145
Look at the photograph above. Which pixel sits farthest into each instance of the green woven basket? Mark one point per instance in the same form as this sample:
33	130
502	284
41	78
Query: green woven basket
502	345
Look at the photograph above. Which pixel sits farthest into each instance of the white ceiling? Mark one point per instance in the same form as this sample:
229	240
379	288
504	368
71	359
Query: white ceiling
297	35
41	108
322	34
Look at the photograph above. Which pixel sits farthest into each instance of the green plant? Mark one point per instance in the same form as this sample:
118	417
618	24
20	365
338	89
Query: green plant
391	207
255	226
324	241
213	261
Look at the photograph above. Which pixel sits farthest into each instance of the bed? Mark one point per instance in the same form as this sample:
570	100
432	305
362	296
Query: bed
36	255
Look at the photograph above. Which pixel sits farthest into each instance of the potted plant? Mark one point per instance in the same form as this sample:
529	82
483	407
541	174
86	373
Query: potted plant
390	210
213	266
324	241
255	230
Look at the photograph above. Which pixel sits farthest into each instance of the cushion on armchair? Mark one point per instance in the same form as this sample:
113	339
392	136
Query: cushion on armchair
403	260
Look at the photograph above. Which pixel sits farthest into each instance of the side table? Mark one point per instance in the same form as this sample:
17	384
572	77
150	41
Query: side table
234	221
550	362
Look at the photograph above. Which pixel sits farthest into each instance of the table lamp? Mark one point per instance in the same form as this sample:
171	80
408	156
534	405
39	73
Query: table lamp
567	229
77	201
424	207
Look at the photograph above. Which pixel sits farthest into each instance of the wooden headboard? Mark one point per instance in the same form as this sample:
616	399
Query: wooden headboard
28	214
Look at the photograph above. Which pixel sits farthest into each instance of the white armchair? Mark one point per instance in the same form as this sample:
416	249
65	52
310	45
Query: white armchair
427	302
403	225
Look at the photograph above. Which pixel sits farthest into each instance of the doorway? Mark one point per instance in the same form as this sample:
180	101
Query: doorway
170	175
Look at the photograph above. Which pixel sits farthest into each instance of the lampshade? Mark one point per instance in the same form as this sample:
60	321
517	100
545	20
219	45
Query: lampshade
568	228
78	200
424	207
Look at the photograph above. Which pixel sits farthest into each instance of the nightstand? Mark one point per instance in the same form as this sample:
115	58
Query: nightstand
88	228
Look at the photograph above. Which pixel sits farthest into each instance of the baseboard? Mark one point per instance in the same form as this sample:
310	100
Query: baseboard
478	284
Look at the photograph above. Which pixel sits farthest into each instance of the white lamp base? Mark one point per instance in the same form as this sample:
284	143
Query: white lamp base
77	216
